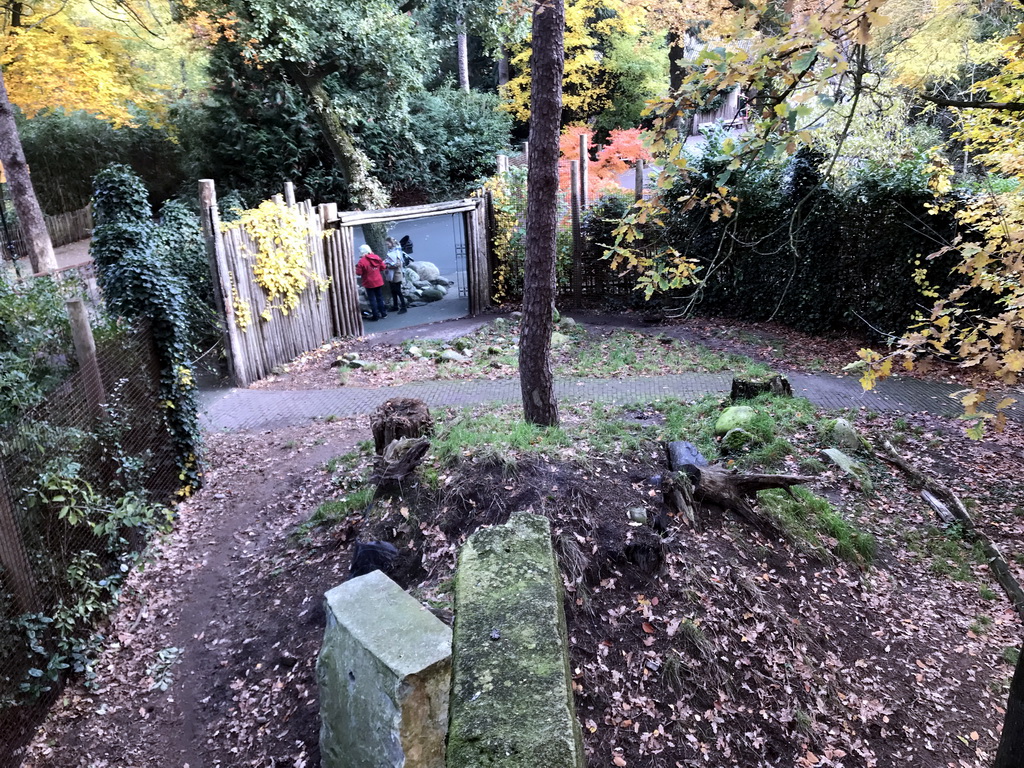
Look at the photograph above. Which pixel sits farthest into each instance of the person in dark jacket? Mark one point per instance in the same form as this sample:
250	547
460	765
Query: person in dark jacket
394	264
370	269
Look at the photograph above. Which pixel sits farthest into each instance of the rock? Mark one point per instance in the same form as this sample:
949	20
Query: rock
852	467
415	352
734	416
735	439
351	355
426	270
420	285
637	515
359	364
493	350
559	340
499	323
568	321
432	293
384	673
511	701
463	344
516	316
845	436
451	356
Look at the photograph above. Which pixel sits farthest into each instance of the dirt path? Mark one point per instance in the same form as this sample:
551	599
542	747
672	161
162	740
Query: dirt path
212	652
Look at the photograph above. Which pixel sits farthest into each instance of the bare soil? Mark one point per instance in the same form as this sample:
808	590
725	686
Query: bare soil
716	645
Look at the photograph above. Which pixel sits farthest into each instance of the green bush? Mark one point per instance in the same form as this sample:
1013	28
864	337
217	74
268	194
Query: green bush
798	251
35	339
65	151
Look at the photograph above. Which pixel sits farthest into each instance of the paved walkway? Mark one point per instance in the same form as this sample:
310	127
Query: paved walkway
260	409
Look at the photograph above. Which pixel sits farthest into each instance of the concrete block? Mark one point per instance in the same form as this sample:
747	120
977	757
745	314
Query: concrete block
512	703
384	673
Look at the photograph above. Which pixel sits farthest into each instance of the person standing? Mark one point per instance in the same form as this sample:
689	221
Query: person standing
370	269
394	261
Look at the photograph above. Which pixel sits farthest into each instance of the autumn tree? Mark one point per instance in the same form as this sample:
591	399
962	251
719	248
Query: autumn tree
546	62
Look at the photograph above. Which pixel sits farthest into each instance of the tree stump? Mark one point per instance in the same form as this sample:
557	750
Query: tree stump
749	388
397	418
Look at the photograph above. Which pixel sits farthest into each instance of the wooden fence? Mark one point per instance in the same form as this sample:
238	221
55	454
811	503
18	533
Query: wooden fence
64	228
259	334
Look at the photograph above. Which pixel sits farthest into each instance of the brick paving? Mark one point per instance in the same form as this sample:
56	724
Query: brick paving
233	410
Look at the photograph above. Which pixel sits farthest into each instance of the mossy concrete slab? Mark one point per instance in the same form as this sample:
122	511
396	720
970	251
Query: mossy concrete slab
385	675
511	702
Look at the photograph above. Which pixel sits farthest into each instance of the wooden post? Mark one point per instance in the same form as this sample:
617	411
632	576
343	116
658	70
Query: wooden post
210	216
638	184
289	194
85	352
13	556
574	202
502	163
584	171
279	199
526	153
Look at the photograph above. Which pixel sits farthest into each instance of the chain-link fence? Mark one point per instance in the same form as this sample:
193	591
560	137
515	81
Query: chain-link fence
78	474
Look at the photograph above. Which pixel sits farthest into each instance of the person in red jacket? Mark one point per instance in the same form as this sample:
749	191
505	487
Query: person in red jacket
370	269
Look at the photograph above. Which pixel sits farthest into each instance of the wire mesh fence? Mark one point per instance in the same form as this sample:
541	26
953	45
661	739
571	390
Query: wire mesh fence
76	480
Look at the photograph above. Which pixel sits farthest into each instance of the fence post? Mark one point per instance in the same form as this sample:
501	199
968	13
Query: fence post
218	274
502	163
577	250
289	194
638	184
526	153
85	352
13	556
584	170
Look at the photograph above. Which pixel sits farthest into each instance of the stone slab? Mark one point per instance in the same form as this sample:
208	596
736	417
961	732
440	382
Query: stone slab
512	703
384	673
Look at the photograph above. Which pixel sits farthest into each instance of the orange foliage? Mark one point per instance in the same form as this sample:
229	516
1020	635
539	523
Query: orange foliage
621	153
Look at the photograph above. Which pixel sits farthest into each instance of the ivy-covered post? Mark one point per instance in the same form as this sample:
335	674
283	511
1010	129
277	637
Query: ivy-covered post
85	352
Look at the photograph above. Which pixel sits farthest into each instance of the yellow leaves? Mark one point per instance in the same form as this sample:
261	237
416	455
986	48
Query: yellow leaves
280	265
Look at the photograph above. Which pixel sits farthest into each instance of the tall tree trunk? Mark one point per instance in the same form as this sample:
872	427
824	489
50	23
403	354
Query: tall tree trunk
30	215
1011	745
503	67
364	190
676	74
547	60
463	56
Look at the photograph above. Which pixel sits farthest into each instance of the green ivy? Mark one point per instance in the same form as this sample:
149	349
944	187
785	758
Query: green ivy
139	283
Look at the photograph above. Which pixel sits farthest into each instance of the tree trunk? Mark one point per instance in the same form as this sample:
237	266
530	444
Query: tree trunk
547	59
676	74
1011	745
503	67
30	215
463	56
364	190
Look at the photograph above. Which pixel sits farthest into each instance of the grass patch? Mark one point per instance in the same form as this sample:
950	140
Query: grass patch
814	521
337	510
493	434
946	551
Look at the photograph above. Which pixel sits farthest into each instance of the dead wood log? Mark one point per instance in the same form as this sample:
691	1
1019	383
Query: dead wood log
397	418
749	388
725	488
400	459
953	504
